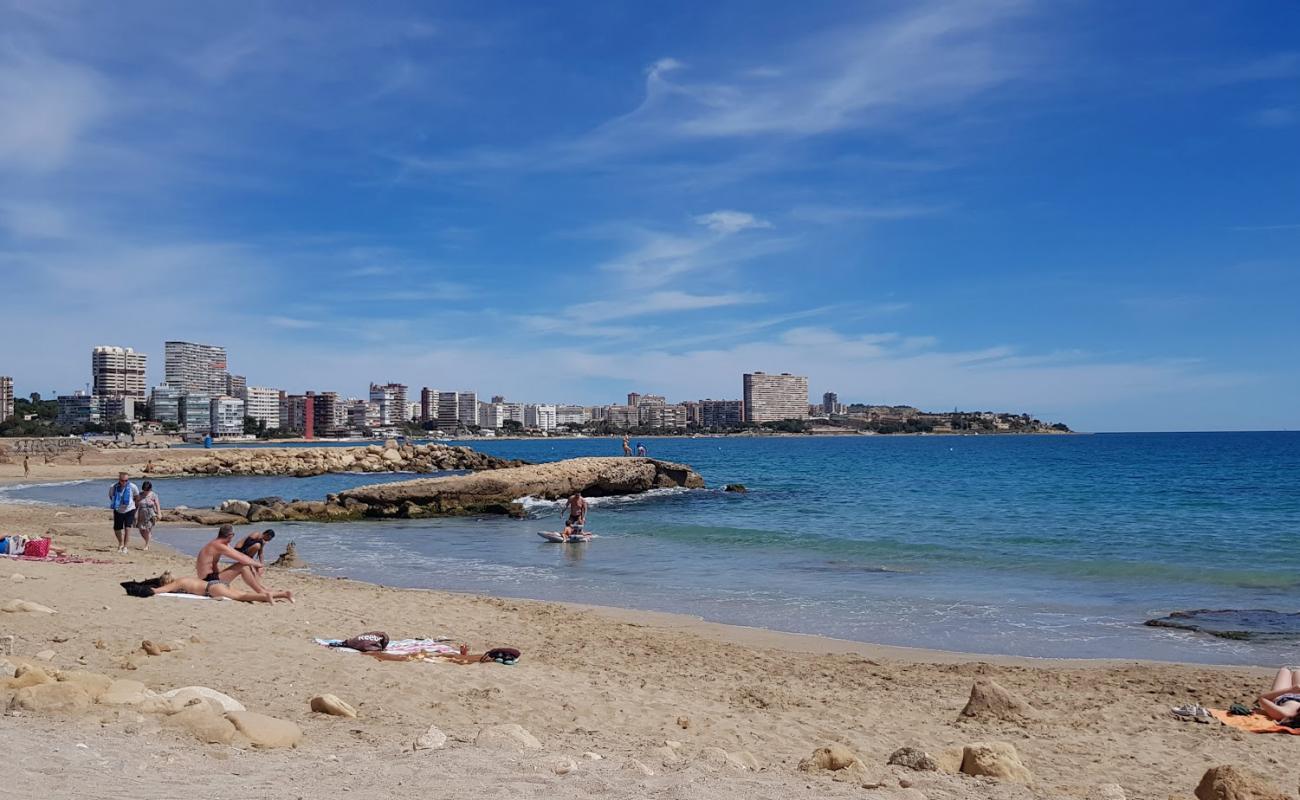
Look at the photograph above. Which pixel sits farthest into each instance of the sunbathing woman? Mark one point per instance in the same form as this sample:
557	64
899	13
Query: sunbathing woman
1283	703
216	588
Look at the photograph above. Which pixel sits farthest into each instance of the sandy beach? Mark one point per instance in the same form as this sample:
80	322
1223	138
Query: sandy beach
673	707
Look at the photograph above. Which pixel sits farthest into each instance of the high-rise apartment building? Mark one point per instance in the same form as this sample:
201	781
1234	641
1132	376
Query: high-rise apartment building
6	397
428	405
329	416
658	415
164	404
263	404
391	398
633	399
197	368
236	385
468	413
772	398
297	413
831	404
448	411
539	416
513	412
491	415
227	416
78	408
364	415
117	372
570	415
195	412
722	414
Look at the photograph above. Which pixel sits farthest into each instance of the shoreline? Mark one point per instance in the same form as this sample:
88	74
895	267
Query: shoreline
685	699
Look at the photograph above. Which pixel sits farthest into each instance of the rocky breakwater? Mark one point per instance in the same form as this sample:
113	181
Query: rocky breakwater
304	462
496	492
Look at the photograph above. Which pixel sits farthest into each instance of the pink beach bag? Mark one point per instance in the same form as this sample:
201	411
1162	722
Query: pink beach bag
37	548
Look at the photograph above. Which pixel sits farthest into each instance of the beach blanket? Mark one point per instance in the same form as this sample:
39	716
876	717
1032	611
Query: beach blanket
65	559
1255	723
407	647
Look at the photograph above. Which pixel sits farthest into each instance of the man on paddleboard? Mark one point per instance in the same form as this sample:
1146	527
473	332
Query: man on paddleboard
577	506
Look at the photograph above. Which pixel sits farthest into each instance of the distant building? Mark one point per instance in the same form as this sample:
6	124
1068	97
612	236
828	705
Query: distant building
164	404
78	408
412	411
497	398
597	413
195	412
226	414
263	404
539	416
329	416
364	415
694	415
197	368
297	413
513	412
491	415
428	405
570	415
650	400
391	398
116	409
468	408
658	415
236	385
831	404
448	411
6	397
722	414
117	372
772	398
633	399
622	417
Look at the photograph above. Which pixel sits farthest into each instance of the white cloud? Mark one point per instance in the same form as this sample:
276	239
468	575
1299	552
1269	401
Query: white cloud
46	108
836	215
661	302
729	222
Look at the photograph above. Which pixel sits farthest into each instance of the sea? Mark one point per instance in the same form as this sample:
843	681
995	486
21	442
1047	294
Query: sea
1041	546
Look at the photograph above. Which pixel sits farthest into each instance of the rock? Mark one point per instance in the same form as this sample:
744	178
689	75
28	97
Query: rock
996	760
206	725
1107	791
52	697
46	655
94	683
330	704
833	757
632	765
8	669
431	739
151	648
124	692
186	693
1228	782
264	731
718	759
17	576
990	701
17	606
507	736
913	758
739	488
590	756
748	760
683	722
564	766
27	675
236	507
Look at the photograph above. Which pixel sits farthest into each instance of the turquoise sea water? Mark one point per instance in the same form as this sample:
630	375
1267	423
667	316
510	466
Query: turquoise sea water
1040	546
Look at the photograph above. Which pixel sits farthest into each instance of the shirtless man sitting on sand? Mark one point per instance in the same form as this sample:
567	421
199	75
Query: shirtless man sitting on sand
209	569
218	589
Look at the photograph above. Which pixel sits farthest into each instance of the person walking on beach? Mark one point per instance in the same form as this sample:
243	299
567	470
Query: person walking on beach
148	510
577	506
640	449
627	448
121	497
208	564
27	467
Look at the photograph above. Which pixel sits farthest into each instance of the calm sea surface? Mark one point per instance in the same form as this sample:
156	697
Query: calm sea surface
1040	546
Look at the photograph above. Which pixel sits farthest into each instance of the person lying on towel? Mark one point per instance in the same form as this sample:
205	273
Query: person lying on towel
202	588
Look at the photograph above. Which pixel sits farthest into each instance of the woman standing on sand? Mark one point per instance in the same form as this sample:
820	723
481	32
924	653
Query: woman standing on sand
147	512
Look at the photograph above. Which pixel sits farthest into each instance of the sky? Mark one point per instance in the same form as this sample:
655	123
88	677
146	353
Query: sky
1087	211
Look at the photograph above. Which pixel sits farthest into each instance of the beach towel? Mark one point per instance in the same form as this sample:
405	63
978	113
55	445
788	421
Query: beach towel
1255	723
186	596
401	646
64	559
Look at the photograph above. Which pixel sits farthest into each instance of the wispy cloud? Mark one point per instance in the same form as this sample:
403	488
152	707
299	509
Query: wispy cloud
1272	67
728	222
662	302
47	106
836	215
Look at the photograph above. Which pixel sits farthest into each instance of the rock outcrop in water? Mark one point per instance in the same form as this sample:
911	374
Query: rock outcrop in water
495	492
1242	624
304	462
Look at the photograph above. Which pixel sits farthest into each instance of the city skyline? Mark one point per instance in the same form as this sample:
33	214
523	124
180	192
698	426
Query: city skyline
980	205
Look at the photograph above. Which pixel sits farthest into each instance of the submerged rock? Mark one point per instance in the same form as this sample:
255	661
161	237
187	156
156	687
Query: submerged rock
1251	623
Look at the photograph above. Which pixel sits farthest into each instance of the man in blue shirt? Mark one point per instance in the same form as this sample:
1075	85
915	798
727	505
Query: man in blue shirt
121	497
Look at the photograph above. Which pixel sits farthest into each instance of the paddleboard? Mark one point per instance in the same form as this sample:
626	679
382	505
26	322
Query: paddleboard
556	537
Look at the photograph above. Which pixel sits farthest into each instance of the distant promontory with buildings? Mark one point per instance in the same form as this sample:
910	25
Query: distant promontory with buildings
199	397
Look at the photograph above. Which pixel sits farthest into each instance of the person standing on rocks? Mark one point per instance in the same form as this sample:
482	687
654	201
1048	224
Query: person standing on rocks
121	497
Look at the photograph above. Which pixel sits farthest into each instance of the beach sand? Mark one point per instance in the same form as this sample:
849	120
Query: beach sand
616	683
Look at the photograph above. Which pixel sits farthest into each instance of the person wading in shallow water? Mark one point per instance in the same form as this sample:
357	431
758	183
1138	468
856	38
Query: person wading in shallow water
577	506
627	447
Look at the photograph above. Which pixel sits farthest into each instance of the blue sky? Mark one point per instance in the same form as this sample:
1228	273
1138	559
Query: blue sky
1089	211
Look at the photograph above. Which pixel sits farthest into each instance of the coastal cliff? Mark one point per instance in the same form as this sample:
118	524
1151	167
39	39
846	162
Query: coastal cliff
304	462
494	492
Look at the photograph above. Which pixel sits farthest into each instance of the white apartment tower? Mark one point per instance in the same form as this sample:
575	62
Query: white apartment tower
118	372
262	403
468	408
6	397
198	368
226	415
391	398
772	398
